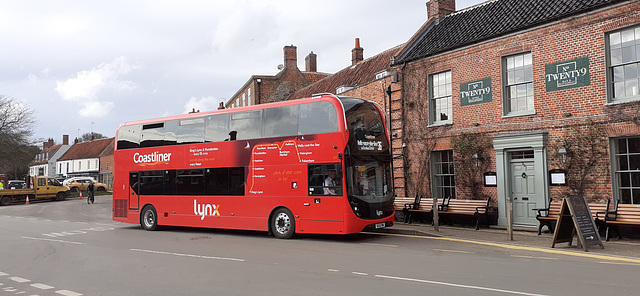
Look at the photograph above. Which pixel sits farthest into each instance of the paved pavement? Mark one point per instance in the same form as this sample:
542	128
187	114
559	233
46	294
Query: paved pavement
623	249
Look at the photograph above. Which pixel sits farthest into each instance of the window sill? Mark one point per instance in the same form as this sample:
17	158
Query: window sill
623	101
518	114
440	123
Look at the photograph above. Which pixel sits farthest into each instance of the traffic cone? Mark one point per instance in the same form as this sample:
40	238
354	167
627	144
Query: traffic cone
27	200
80	194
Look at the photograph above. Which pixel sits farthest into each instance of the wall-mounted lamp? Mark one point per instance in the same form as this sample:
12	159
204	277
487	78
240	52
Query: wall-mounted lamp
477	158
567	114
563	152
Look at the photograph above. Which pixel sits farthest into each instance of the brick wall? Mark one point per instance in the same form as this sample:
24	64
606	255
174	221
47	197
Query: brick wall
555	111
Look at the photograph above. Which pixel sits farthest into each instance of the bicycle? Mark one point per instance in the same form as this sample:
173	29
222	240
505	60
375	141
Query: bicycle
90	197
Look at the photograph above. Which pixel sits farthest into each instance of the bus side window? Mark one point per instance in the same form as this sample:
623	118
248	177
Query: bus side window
319	177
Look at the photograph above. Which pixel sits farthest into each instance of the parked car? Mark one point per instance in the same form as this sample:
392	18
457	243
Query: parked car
15	184
80	184
69	180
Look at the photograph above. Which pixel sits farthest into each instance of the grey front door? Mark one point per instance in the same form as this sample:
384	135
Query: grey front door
523	190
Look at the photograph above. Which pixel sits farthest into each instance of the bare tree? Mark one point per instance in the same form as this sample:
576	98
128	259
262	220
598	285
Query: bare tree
16	129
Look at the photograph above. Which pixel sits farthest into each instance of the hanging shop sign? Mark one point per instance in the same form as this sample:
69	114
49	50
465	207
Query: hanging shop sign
567	74
475	92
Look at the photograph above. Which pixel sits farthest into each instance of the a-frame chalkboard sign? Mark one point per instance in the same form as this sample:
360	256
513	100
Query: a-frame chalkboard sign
575	218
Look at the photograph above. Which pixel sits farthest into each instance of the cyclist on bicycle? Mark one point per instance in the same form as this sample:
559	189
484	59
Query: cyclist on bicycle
90	190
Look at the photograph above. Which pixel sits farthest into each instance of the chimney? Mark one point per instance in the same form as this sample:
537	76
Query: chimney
357	53
65	139
311	63
50	143
221	106
290	56
437	9
45	145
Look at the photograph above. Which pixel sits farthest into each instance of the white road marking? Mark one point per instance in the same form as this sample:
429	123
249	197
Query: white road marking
534	257
457	285
187	255
380	245
68	293
453	251
332	270
42	286
19	279
619	263
54	240
359	273
2	273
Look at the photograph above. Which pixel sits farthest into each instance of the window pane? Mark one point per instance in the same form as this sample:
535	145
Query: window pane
614	40
191	131
317	118
519	61
631	87
634	147
190	182
628	54
635	181
625	196
245	125
627	38
152	135
624	180
634	161
129	137
510	63
171	132
280	122
618	90
528	74
528	59
217	128
622	145
616	56
618	73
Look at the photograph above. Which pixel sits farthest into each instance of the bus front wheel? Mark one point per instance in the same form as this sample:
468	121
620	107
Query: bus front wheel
149	218
283	224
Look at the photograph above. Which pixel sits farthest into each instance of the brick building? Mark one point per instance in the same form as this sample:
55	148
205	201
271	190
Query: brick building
512	91
261	89
83	160
369	79
44	164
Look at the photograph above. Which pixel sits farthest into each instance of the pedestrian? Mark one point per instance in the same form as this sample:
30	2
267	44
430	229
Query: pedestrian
90	191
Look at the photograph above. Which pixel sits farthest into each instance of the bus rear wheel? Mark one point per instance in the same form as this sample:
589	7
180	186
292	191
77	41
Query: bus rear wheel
283	224
149	218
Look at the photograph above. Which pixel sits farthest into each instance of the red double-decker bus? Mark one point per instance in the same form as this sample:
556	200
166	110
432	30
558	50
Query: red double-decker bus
319	165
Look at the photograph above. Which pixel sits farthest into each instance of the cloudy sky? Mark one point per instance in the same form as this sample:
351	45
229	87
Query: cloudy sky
89	65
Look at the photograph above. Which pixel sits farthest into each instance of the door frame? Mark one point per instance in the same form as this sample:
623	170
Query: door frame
503	144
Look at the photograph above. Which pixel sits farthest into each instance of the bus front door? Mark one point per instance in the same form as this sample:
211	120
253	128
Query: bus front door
134	197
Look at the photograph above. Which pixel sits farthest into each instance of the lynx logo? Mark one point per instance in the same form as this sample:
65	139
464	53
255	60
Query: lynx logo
204	210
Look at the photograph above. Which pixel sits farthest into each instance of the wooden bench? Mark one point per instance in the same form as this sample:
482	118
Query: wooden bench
548	216
624	214
419	206
468	208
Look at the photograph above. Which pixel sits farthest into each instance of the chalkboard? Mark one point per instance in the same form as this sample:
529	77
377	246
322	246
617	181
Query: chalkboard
581	223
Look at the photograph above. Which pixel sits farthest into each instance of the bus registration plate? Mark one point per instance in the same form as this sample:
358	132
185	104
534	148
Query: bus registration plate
380	225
